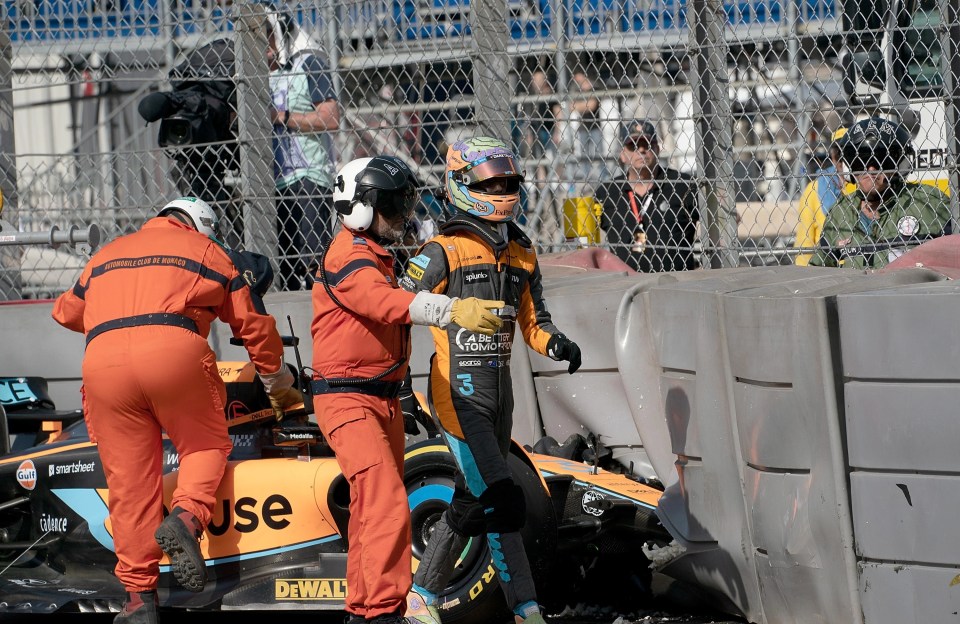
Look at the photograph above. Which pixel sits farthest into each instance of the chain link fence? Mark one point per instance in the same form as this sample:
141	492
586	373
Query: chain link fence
110	108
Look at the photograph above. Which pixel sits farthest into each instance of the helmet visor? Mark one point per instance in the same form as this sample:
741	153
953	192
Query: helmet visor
494	166
402	202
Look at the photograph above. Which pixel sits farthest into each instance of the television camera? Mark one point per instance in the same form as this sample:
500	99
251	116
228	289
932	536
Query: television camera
196	119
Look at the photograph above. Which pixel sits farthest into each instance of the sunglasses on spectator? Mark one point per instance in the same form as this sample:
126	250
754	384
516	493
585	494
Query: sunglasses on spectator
860	165
633	143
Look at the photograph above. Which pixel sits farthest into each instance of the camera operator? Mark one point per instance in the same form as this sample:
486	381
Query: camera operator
305	110
196	120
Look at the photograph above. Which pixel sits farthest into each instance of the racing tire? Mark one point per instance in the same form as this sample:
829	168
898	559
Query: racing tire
474	593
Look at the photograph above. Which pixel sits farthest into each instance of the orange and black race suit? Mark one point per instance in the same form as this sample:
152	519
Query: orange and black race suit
470	385
145	303
361	345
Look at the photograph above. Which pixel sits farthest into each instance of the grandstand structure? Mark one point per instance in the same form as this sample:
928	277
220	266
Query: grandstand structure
744	94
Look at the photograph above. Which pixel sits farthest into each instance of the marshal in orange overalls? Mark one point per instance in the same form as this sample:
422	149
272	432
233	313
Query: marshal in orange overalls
367	336
145	303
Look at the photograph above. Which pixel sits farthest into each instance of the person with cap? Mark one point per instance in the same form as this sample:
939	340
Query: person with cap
481	252
145	303
818	198
305	110
361	353
650	213
885	215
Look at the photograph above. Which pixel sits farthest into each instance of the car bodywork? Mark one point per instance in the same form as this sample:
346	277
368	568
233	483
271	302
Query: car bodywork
278	535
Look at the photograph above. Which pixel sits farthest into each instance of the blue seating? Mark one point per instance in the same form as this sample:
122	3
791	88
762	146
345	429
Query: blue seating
52	20
594	17
425	19
529	19
82	19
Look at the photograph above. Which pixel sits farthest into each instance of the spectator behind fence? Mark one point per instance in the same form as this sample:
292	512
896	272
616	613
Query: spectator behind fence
819	196
540	139
650	213
385	130
580	131
886	215
305	109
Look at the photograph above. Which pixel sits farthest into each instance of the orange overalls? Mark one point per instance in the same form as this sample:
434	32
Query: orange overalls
362	422
145	303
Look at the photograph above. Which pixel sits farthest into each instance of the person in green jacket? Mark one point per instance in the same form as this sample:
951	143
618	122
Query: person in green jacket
886	215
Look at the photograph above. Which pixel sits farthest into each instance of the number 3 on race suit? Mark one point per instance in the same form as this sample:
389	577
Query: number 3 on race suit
466	384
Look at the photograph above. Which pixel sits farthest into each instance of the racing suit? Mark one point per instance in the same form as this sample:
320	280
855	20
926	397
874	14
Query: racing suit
913	214
472	393
361	334
145	303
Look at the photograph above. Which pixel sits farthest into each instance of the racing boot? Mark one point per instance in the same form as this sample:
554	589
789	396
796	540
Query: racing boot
419	611
178	536
138	608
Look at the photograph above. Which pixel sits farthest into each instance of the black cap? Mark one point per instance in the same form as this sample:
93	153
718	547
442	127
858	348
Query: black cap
639	128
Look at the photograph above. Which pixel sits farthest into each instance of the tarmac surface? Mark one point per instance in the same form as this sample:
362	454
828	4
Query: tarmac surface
676	605
337	617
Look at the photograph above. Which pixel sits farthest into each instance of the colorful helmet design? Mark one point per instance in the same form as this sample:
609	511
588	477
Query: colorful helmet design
200	212
470	163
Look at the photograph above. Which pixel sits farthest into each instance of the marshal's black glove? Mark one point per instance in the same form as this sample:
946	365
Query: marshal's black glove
412	414
562	348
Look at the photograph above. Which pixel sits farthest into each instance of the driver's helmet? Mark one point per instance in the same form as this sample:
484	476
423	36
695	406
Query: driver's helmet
200	212
470	163
877	143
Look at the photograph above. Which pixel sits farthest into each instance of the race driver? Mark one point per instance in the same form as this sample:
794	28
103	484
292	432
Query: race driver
481	252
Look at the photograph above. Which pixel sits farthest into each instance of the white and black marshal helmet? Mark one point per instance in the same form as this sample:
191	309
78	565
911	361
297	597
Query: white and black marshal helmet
200	213
384	184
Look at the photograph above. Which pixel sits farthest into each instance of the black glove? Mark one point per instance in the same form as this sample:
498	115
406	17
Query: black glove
562	348
410	406
411	410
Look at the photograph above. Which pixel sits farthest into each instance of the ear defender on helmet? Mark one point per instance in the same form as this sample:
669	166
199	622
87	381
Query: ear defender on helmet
482	178
878	144
355	215
201	214
384	185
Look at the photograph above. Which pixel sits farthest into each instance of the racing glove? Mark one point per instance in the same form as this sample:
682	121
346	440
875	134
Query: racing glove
476	315
562	348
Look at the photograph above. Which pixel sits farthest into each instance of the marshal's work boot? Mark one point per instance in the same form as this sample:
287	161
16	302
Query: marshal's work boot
138	608
178	536
419	611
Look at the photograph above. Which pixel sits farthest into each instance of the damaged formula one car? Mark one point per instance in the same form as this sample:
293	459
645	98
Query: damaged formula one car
278	536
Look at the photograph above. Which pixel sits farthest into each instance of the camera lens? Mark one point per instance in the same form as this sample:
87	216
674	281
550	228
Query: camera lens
175	131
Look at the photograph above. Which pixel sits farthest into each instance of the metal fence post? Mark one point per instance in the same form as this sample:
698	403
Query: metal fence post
256	153
491	68
10	282
950	44
714	123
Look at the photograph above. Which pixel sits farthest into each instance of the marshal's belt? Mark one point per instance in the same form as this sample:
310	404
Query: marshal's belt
382	389
156	318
